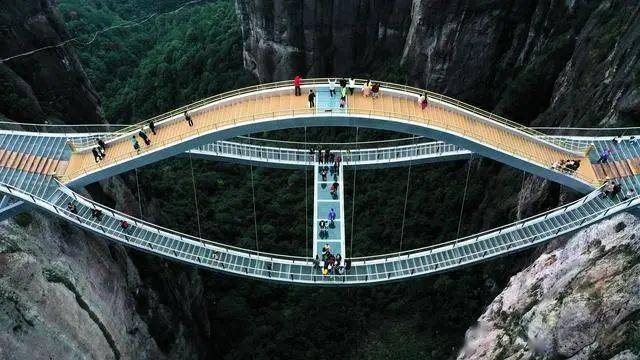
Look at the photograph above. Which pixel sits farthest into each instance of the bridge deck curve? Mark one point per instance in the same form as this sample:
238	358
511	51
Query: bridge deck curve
280	102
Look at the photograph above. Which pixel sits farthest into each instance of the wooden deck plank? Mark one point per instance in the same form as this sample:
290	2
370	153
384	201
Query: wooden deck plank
634	165
12	159
61	168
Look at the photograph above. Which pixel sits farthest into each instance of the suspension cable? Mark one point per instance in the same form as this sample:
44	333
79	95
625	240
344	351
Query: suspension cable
195	195
306	200
94	35
464	198
353	200
406	198
139	196
255	216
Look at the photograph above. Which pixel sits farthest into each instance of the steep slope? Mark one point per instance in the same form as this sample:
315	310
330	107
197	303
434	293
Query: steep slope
575	62
63	295
578	300
50	84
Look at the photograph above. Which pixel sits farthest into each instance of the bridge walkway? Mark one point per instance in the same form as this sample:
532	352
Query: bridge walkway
326	201
29	162
402	107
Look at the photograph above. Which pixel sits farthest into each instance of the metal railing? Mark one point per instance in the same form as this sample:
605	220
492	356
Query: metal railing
350	157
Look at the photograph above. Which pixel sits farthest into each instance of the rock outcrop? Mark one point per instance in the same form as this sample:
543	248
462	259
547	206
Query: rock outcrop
579	300
544	62
63	295
48	85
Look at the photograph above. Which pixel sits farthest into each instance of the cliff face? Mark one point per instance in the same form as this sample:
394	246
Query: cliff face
283	38
544	63
579	300
63	295
63	292
547	62
49	84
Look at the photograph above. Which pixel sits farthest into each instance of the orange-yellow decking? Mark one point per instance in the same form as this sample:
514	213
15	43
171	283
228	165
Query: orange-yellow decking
388	104
31	163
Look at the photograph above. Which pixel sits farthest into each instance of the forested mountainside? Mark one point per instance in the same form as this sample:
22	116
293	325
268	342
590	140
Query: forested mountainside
46	86
539	62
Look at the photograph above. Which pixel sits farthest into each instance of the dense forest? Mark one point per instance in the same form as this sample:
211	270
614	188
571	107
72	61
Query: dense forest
178	57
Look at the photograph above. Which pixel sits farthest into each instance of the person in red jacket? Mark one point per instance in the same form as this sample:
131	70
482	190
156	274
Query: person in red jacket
297	81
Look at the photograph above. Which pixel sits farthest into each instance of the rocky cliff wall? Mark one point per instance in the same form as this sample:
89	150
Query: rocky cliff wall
64	295
544	62
47	85
579	300
282	38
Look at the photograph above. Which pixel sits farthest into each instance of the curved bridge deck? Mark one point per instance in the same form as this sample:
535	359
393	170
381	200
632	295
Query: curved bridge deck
395	109
367	270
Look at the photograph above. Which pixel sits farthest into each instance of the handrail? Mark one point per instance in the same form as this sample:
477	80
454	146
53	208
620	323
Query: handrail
174	232
377	275
199	128
315	143
359	82
430	144
454	242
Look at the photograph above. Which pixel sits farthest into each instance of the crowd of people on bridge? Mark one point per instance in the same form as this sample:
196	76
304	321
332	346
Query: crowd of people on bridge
611	188
369	88
331	264
144	136
566	166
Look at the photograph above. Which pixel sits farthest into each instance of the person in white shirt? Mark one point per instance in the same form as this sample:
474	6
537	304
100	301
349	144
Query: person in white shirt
352	85
332	87
422	100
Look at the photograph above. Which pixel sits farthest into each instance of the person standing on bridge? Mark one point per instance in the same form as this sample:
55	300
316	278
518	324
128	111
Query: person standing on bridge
422	100
352	85
297	82
332	87
124	225
188	118
134	142
72	208
366	88
343	83
152	127
144	137
375	90
102	147
332	216
630	193
96	214
604	156
312	99
96	154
